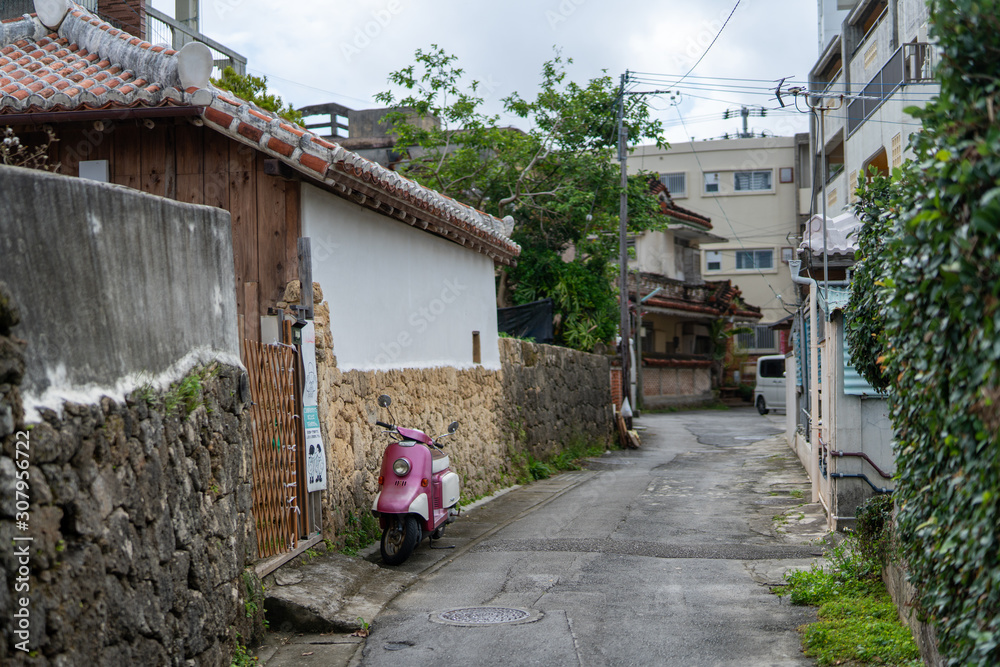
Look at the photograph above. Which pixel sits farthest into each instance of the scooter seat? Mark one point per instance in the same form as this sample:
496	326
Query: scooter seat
439	461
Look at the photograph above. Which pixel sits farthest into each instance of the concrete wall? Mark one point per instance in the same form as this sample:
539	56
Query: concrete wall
138	516
112	283
664	387
399	297
859	424
539	399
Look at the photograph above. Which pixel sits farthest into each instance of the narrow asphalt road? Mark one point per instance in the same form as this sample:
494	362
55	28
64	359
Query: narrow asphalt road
657	557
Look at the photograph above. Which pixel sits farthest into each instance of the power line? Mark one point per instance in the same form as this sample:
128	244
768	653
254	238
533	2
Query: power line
705	53
725	216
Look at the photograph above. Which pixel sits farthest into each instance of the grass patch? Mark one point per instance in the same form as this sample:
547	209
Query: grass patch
858	623
526	468
359	533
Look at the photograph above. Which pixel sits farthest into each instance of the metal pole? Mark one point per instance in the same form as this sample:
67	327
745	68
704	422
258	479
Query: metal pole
826	258
623	238
638	343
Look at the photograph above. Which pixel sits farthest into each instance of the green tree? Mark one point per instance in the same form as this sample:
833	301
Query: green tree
254	89
933	330
557	179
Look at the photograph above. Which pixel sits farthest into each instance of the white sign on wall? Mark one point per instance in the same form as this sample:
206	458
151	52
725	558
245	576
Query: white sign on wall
315	456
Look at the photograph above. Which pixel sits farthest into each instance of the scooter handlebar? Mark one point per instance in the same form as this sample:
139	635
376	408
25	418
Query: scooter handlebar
384	425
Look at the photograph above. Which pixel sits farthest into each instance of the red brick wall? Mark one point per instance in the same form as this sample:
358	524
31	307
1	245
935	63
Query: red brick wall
129	14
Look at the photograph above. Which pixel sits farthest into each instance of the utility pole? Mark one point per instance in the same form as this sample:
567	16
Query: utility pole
823	106
623	239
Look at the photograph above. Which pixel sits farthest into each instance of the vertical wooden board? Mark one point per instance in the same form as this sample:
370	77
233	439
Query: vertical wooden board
215	165
243	205
102	143
293	229
189	149
271	251
72	149
251	320
126	150
242	208
170	162
190	188
153	148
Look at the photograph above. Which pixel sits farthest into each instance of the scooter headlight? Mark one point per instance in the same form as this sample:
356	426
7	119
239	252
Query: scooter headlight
401	467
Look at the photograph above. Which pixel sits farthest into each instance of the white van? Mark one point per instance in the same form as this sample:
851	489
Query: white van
769	393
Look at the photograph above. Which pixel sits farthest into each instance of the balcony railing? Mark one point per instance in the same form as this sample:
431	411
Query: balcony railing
160	29
911	63
164	29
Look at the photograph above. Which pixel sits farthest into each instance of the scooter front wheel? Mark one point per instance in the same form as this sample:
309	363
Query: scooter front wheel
399	539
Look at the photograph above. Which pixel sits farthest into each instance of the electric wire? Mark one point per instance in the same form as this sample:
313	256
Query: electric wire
709	48
725	216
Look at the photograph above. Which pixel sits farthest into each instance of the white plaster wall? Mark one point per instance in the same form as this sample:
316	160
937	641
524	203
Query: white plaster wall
399	297
655	254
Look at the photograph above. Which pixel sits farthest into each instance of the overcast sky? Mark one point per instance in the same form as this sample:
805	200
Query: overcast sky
313	51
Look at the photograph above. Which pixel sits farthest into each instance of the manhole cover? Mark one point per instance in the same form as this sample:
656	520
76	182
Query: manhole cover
473	616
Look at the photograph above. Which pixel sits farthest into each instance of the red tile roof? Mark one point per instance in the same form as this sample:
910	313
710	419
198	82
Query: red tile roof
89	65
717	298
668	207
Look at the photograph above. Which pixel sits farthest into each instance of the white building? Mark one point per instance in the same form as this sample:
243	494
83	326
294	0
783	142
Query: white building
750	188
880	53
880	61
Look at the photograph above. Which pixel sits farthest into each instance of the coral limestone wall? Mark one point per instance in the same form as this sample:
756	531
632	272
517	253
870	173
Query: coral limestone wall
137	516
542	397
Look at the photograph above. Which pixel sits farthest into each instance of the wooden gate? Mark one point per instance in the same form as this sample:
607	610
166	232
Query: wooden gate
272	372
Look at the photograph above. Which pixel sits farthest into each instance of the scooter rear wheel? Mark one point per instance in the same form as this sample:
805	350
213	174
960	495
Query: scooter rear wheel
399	539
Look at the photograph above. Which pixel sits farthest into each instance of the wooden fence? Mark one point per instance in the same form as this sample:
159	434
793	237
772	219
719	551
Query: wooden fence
272	371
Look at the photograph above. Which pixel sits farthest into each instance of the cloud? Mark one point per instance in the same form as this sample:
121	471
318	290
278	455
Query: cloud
316	51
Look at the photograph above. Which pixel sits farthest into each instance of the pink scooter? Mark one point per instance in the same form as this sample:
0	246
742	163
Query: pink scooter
417	490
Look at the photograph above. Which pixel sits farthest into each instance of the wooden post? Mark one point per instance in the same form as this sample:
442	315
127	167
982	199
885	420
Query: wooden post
305	276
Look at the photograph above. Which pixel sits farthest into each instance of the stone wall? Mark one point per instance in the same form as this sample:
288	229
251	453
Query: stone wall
542	398
904	596
139	520
554	395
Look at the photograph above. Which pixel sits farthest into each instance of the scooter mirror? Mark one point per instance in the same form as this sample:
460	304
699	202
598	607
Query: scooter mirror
384	401
452	427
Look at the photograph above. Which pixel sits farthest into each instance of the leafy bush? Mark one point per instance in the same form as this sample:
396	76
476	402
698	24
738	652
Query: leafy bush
254	89
873	531
857	619
932	336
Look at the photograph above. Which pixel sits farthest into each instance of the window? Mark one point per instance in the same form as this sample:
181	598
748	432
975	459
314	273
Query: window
713	260
752	181
711	182
787	255
760	337
755	259
676	183
772	368
786	175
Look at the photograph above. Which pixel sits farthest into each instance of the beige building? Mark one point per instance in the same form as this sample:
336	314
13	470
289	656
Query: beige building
750	190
